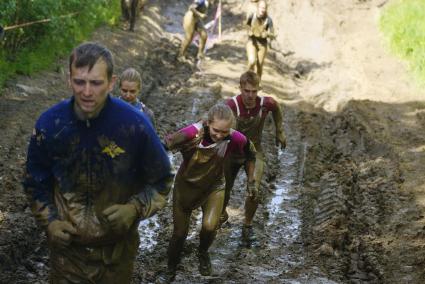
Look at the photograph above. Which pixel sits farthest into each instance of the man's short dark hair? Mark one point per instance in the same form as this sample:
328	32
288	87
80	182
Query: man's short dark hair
88	53
249	77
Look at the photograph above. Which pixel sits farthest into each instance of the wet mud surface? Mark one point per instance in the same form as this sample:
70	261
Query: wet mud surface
344	203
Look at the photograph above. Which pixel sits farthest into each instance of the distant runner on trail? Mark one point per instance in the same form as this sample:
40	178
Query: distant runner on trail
130	10
260	30
130	85
199	182
95	168
251	111
193	22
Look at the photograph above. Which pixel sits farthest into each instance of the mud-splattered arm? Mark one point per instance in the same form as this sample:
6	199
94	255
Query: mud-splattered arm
157	174
242	147
270	33
149	113
247	24
278	121
250	151
38	180
197	13
185	139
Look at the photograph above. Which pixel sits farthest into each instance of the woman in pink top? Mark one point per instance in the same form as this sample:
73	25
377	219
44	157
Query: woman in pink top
199	182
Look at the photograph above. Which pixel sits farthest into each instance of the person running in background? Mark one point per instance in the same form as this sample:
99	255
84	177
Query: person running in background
130	86
260	30
251	111
199	182
193	22
130	11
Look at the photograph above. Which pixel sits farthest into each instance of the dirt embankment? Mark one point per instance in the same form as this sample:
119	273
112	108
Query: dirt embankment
361	219
363	194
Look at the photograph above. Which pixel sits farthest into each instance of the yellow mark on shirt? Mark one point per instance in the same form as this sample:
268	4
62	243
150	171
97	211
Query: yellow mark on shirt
113	150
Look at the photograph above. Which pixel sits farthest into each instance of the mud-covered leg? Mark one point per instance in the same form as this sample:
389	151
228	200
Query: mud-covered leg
181	219
124	10
203	36
262	52
231	169
134	7
251	204
211	211
189	31
251	53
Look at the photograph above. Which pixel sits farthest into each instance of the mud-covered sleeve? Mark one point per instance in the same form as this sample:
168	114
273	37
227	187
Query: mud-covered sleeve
241	145
248	19
176	141
270	29
196	8
38	179
150	114
249	150
277	114
155	171
270	26
232	105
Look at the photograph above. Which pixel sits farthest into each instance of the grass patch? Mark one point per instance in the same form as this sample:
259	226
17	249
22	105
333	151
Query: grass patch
31	49
403	24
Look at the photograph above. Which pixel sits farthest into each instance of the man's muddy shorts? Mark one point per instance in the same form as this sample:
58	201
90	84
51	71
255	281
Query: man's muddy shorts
94	264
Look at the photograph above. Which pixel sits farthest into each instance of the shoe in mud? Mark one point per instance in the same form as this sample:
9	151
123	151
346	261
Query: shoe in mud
224	218
248	235
182	59
200	56
166	276
204	263
203	57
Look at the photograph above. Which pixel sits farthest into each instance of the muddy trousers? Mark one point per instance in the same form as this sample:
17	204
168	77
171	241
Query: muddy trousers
231	170
129	11
100	264
211	210
256	51
190	26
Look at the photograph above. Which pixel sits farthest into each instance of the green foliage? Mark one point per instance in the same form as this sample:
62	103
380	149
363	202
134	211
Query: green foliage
29	49
403	23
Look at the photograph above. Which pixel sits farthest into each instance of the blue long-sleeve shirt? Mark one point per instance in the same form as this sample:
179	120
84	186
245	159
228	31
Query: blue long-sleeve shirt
76	169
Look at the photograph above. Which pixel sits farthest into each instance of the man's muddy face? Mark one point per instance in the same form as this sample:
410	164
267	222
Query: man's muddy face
249	94
129	91
262	9
219	129
90	88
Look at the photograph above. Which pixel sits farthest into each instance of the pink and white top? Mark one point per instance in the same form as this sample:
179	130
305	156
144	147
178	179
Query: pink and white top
236	145
263	105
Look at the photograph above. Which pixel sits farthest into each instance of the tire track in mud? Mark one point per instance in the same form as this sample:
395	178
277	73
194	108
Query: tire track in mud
355	209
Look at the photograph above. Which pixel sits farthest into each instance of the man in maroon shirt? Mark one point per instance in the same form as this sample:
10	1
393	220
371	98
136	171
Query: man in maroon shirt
251	111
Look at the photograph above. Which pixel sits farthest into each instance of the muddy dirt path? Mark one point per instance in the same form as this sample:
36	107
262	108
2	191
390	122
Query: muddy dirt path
345	201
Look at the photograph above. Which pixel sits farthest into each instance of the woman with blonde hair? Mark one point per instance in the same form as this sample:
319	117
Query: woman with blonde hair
205	146
130	86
